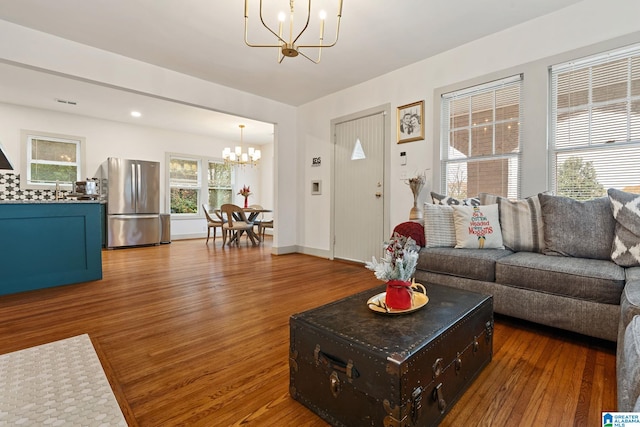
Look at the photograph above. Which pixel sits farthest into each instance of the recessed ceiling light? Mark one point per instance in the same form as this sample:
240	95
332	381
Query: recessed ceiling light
136	114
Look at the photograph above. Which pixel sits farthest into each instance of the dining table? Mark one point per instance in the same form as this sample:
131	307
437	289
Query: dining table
250	216
253	213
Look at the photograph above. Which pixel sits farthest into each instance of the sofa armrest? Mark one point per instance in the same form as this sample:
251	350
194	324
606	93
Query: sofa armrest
628	349
628	368
629	304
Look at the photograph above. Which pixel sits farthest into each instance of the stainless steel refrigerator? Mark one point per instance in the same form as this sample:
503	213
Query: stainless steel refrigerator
132	191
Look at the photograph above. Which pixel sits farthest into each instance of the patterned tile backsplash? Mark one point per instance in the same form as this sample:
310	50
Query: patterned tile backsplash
10	190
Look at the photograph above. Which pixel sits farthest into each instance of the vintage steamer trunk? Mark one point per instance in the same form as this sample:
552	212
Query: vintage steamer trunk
354	367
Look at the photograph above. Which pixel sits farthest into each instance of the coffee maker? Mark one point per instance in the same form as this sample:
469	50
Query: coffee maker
86	189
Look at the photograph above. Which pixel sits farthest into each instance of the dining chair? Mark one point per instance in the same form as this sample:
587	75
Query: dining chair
264	224
213	223
235	224
257	218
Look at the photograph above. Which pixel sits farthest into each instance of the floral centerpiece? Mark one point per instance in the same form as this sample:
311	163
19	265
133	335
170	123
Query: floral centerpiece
245	192
416	183
396	267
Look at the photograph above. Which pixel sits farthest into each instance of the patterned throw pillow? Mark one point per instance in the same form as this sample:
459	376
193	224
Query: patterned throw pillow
477	227
520	222
439	229
440	199
625	206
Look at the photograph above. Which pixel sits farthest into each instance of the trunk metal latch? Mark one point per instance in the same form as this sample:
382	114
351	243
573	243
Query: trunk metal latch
458	363
416	405
334	384
437	396
437	367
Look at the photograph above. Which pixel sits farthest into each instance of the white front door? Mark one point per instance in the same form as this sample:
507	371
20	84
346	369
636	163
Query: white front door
358	217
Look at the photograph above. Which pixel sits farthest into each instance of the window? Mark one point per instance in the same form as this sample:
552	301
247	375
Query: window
50	159
219	184
480	138
195	181
184	182
595	124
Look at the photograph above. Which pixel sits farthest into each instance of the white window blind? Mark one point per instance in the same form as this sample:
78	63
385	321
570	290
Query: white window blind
480	139
595	124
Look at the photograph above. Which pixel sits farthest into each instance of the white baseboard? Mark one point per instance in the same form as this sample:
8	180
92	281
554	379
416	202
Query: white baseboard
280	250
189	236
283	250
321	253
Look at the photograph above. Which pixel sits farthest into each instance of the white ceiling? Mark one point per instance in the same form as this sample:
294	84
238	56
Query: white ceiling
26	87
204	38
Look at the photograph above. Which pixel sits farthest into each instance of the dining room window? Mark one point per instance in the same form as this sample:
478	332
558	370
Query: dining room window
184	183
220	184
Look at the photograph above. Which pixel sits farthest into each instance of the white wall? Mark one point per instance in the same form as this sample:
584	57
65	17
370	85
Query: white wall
529	48
26	47
105	138
302	220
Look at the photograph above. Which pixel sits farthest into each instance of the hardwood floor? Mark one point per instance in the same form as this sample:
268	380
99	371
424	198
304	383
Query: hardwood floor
198	335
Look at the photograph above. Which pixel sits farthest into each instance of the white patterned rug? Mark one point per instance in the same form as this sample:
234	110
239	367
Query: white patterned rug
60	383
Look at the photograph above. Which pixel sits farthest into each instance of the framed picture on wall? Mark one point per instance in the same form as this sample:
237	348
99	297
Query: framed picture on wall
411	122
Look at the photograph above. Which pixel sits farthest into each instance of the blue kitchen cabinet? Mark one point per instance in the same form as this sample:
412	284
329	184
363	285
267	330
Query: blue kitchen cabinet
46	244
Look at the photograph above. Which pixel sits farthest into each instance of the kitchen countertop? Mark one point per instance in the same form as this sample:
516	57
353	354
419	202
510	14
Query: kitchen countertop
33	202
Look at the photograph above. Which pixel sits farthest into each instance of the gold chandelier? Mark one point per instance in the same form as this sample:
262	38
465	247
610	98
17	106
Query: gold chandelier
239	158
288	47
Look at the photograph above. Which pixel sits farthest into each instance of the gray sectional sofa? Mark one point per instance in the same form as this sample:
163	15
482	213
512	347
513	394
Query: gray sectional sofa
551	260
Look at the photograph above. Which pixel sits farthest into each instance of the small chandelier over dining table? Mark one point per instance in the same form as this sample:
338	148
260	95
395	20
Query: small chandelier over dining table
287	46
239	158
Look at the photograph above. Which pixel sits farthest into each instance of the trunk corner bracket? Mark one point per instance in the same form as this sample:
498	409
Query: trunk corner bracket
396	365
393	418
404	416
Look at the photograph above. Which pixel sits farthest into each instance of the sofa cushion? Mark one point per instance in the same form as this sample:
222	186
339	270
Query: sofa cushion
520	222
467	263
412	229
577	229
439	228
626	212
581	278
629	368
441	199
477	227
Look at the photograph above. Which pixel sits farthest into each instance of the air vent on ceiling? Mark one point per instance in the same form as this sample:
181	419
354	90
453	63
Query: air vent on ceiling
64	101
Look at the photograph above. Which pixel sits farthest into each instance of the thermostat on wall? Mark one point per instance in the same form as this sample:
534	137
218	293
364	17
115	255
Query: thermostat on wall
316	187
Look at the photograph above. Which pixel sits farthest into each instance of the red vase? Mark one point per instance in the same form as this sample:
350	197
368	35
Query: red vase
246	202
398	294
